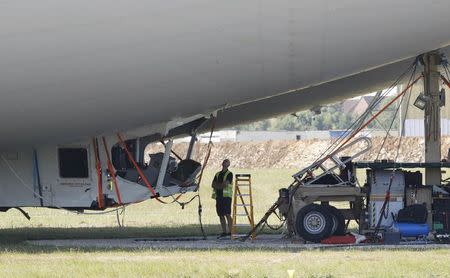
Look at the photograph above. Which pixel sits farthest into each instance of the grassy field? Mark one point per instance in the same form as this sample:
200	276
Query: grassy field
139	263
18	259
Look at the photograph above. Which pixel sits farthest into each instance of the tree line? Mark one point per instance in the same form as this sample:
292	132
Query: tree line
331	117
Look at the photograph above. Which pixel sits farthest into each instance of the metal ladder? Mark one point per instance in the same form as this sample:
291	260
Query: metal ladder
242	204
318	169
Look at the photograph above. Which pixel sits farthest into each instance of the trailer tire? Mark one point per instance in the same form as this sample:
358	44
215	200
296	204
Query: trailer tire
338	219
314	223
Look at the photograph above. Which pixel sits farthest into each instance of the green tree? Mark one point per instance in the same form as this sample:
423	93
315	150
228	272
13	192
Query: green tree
331	117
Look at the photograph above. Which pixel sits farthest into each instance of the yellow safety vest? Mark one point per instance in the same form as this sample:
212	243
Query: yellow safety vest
228	189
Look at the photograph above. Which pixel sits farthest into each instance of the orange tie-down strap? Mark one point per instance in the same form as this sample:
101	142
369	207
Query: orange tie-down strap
112	172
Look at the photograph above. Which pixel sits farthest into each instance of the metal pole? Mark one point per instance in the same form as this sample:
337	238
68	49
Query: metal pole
164	163
432	118
191	146
138	149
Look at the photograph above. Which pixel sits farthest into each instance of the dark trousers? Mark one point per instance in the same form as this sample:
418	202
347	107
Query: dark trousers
223	206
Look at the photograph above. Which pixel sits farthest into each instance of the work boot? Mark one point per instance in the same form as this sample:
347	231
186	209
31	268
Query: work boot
222	235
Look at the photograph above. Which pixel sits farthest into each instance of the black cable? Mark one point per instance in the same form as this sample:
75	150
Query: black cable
183	204
275	228
396	112
403	123
121	223
200	210
27	216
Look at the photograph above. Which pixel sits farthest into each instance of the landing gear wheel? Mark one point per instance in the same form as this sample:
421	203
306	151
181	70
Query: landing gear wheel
338	220
314	223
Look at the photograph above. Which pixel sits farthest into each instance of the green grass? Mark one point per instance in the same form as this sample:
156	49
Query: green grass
149	219
139	263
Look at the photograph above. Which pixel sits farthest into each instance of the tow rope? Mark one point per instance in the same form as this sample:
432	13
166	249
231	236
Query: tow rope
99	173
112	172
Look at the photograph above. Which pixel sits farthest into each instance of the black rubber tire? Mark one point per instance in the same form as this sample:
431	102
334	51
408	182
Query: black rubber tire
320	219
338	218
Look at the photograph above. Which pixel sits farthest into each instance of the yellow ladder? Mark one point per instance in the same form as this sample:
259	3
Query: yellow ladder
242	204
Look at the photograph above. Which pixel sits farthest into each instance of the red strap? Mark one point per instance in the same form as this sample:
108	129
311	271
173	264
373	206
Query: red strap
174	153
208	153
204	163
136	166
387	197
445	81
112	172
99	173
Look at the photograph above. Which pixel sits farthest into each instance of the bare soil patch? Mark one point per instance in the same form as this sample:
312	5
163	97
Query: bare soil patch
294	154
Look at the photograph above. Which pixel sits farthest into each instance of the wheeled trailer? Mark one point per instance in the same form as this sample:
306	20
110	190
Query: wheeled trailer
317	210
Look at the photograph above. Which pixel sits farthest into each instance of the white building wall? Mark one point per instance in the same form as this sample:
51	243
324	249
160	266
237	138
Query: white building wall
218	136
257	136
415	127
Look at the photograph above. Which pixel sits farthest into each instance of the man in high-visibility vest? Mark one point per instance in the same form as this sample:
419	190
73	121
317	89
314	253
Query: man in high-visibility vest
223	192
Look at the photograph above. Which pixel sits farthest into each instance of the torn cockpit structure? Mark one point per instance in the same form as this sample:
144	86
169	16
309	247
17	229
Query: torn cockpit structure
168	173
164	173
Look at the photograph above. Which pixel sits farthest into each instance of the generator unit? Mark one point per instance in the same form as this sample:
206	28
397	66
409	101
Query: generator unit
379	181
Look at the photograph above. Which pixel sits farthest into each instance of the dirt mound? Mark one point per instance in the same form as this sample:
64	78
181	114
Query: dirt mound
297	154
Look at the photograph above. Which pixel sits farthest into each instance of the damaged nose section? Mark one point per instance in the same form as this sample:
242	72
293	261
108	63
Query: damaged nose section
170	176
163	172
